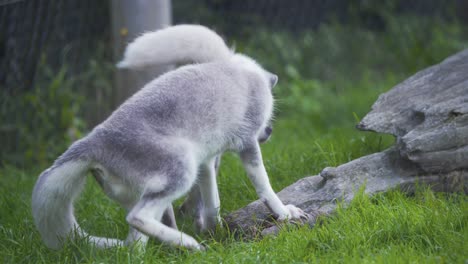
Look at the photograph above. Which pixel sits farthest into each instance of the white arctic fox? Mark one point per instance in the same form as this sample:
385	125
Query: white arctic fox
166	137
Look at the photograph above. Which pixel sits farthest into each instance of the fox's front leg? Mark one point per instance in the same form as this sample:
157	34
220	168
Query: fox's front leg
252	160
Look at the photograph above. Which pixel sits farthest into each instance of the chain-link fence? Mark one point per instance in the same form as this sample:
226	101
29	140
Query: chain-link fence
69	31
56	55
233	17
58	31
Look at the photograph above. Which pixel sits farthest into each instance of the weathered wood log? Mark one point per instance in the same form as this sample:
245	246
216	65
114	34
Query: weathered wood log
428	115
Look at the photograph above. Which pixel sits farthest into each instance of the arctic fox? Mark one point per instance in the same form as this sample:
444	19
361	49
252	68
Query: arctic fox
165	138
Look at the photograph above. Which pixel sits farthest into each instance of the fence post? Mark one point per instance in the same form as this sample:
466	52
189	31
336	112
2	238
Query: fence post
131	18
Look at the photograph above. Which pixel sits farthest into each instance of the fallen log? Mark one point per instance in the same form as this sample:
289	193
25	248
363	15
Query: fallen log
428	115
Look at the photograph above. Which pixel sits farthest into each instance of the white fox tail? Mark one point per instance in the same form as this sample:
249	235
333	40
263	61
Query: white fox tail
53	196
175	45
52	201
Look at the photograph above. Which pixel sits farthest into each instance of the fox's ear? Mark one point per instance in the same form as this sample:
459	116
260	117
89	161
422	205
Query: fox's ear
273	78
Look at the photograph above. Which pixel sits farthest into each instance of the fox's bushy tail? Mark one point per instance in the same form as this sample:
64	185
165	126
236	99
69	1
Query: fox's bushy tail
175	45
52	201
53	197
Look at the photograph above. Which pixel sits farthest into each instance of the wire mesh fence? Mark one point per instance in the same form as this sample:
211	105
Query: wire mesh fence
69	31
63	48
58	31
236	16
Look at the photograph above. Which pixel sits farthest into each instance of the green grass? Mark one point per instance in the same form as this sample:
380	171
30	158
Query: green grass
329	79
388	228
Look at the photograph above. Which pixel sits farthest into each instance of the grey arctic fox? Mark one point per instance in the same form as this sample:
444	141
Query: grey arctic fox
165	139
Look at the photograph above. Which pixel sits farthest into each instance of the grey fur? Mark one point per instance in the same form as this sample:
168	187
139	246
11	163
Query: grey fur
149	151
136	142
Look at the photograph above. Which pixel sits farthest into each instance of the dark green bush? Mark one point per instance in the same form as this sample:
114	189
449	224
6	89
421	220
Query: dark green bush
315	67
40	122
329	76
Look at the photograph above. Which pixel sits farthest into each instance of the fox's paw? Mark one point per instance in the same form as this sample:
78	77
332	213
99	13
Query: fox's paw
293	213
190	243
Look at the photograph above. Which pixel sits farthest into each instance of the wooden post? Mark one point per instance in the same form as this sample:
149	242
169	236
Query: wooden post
131	18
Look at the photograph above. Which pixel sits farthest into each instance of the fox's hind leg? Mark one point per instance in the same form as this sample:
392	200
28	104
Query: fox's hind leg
146	218
139	239
209	195
104	242
194	204
136	239
146	215
169	217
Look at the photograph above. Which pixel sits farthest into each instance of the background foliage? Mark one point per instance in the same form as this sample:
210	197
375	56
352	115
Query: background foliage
333	59
321	50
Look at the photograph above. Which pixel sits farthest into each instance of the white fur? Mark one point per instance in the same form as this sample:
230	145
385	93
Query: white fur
210	215
59	186
147	192
175	45
52	205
